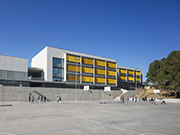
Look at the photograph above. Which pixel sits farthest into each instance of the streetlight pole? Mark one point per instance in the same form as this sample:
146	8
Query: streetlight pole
136	87
76	78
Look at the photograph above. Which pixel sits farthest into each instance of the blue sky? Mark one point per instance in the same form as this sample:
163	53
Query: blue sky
133	32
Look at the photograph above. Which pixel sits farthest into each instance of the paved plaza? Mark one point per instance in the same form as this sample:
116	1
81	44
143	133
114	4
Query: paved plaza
89	118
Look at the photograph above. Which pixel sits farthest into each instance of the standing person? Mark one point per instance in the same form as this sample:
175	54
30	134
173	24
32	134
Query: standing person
38	99
32	98
57	99
122	100
127	99
44	98
41	98
29	97
135	99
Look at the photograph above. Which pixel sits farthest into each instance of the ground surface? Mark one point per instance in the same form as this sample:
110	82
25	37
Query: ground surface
86	118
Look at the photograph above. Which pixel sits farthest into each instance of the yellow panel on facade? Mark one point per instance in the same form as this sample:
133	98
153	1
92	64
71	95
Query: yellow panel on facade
111	81
130	78
130	72
100	80
73	68
87	61
123	71
87	79
122	78
100	71
138	79
111	65
137	73
73	78
117	70
111	73
87	70
100	63
73	58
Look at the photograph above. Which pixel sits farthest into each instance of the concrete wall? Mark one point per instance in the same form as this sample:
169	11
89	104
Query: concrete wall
15	94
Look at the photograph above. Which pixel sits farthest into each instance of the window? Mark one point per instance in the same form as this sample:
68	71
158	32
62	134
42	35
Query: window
58	69
57	62
57	72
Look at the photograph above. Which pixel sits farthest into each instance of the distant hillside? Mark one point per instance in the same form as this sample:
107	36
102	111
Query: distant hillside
149	93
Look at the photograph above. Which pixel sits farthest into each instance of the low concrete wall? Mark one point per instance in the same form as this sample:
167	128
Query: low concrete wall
21	94
170	100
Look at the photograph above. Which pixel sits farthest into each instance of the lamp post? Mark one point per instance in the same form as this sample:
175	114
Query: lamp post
136	86
76	58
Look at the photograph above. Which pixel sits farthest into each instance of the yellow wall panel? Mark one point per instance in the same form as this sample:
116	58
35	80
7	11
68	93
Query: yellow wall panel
73	58
111	73
100	63
87	70
100	80
137	73
100	71
73	78
73	68
87	61
130	78
122	71
111	65
87	79
117	70
138	79
111	81
130	72
122	78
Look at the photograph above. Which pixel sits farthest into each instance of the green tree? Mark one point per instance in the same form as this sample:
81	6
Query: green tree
166	72
171	68
154	69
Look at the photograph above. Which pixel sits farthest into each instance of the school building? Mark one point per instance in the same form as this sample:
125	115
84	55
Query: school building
59	68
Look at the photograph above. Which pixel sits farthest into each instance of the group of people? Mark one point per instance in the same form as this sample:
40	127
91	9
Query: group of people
135	99
153	101
39	98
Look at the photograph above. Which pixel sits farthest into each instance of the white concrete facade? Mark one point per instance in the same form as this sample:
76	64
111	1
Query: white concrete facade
44	60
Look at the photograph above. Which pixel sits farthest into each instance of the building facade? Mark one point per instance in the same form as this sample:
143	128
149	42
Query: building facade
13	70
54	67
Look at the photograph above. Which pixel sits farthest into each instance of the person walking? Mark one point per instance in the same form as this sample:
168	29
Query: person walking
163	102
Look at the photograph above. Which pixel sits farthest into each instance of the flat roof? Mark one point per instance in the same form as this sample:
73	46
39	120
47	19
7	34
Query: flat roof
83	54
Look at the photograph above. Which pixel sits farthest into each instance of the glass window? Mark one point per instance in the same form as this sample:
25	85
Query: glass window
57	62
57	72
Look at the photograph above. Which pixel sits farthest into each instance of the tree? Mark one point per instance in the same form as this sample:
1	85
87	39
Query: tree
172	70
166	72
154	69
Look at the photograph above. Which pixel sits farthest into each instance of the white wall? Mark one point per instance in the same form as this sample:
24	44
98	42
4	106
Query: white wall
40	61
